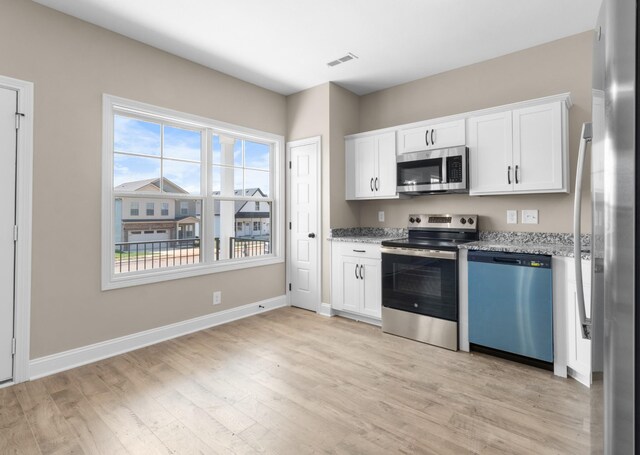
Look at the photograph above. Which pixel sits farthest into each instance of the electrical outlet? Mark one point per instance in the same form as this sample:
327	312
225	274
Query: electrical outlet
217	297
530	216
512	217
381	216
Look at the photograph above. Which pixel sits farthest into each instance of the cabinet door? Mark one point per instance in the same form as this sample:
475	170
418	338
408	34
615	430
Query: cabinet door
490	154
436	136
371	300
537	148
365	166
412	140
449	134
351	284
578	349
386	165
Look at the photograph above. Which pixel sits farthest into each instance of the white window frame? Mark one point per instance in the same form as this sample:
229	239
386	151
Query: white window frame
163	209
111	280
153	209
137	208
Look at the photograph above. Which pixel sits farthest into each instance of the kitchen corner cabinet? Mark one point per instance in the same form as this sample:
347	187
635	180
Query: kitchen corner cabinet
356	280
433	136
519	151
371	166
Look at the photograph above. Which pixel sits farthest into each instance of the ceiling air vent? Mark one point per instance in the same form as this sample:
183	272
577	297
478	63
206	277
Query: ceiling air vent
344	59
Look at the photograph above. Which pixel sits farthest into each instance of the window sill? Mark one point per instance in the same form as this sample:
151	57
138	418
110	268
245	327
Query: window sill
175	273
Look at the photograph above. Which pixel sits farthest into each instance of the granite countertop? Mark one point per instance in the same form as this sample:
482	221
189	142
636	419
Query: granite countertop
366	235
552	244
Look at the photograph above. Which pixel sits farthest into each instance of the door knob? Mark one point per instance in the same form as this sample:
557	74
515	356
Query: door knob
312	236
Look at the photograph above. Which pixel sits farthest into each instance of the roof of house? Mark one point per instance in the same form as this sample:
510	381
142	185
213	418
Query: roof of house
138	185
238	205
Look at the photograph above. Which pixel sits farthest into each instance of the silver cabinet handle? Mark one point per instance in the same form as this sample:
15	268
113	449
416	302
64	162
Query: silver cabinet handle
356	271
577	244
359	251
376	184
371	184
517	168
426	137
432	141
509	175
361	274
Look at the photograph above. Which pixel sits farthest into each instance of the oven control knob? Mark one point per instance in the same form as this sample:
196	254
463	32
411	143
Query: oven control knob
418	220
411	220
470	220
463	221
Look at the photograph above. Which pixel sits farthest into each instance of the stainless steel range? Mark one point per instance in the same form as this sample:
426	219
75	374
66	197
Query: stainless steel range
420	278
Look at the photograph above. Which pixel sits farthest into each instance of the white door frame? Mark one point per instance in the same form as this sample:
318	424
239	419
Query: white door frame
318	141
24	203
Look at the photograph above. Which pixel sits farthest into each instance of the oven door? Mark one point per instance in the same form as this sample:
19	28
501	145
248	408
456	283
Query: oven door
420	281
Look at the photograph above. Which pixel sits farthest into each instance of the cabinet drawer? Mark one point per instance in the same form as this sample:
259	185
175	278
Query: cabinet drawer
355	249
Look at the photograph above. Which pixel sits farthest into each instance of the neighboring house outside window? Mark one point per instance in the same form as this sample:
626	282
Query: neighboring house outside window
158	157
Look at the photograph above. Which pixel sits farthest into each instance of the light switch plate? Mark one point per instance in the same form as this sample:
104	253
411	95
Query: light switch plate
381	216
530	217
512	217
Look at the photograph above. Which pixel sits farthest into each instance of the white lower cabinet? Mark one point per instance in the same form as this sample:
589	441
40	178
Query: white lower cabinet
356	278
578	349
572	351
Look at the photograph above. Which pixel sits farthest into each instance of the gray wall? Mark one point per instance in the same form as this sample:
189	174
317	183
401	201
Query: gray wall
72	63
549	69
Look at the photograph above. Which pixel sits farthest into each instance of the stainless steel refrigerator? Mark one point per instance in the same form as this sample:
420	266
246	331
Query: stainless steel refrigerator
615	228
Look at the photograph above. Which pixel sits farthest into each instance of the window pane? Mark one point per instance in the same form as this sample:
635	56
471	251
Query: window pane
148	242
237	181
135	136
237	153
257	180
257	155
217	151
216	175
134	173
181	177
182	144
240	231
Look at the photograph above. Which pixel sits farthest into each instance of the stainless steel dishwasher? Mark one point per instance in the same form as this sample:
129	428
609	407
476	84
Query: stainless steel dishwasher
511	305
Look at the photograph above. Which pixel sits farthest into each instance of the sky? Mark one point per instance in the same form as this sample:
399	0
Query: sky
139	155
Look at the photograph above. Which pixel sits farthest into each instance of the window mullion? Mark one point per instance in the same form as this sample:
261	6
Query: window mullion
207	244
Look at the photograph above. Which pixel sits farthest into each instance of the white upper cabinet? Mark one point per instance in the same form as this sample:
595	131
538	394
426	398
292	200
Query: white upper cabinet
538	152
435	136
491	171
371	166
519	150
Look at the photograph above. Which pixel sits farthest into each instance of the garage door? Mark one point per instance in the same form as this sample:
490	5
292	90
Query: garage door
148	236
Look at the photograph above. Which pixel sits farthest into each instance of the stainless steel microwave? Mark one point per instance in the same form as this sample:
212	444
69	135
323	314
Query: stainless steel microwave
433	171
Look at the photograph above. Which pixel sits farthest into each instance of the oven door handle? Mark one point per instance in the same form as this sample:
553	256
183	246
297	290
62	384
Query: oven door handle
436	254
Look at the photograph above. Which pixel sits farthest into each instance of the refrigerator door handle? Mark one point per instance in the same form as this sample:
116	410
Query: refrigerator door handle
585	322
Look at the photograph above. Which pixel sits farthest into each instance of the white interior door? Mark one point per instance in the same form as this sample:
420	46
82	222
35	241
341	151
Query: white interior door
305	232
8	105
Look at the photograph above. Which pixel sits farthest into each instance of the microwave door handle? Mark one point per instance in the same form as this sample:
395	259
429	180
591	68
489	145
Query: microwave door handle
585	322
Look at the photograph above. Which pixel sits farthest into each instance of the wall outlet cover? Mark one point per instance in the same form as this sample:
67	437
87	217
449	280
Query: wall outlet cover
381	216
512	217
530	216
217	297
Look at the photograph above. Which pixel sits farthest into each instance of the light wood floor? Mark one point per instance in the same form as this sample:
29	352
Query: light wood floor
292	382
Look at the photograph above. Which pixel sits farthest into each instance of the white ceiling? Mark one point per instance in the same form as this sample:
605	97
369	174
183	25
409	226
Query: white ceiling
285	45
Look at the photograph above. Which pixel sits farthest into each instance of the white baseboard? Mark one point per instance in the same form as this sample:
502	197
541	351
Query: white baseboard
325	310
45	366
584	379
358	317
